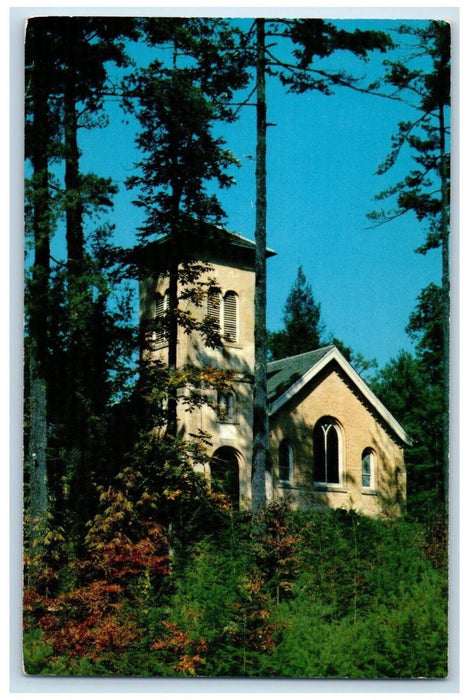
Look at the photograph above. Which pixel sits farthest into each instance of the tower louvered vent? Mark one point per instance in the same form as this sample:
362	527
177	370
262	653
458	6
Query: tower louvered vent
161	305
230	317
213	307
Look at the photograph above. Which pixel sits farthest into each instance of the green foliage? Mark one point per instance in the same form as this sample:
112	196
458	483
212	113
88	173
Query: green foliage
405	388
303	329
414	390
316	39
77	340
91	367
405	641
428	90
178	102
367	603
47	553
36	653
426	327
425	191
319	594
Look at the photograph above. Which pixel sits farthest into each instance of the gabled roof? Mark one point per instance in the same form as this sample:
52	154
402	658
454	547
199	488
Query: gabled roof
282	374
285	378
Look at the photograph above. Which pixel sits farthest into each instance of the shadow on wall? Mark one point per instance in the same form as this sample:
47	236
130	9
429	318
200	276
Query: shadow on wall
387	495
228	433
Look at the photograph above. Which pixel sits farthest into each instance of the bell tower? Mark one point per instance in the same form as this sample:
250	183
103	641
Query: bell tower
226	300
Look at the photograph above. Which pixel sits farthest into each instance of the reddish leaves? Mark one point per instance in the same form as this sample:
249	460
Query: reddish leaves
90	620
179	644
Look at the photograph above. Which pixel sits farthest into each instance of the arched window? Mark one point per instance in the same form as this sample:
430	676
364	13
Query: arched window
368	468
160	305
230	317
285	461
223	312
213	306
327	452
226	406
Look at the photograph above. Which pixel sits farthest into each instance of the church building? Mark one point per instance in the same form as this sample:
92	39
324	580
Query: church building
332	442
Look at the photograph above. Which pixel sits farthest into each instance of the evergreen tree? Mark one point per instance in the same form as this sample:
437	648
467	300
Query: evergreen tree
66	74
425	190
303	329
404	387
312	40
425	327
40	131
178	102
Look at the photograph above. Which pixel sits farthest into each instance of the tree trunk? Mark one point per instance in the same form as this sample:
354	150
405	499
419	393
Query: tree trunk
38	302
175	257
37	444
445	283
74	207
171	428
260	419
78	402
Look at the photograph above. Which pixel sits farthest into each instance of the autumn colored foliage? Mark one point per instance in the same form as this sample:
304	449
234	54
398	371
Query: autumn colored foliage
243	599
89	620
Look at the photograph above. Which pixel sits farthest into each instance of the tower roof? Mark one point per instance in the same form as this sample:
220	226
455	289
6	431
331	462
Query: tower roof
210	244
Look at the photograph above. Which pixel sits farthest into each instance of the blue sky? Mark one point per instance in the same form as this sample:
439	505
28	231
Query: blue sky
322	158
323	153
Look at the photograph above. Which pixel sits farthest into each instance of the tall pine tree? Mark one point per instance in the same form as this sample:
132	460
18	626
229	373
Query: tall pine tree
41	134
310	40
67	61
424	81
303	329
179	99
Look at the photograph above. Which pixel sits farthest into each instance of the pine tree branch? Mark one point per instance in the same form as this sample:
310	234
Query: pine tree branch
391	159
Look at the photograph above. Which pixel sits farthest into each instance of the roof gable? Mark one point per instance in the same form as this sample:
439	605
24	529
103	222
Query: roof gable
282	374
285	378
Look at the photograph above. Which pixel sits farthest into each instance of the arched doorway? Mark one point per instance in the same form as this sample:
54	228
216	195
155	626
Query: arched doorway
224	471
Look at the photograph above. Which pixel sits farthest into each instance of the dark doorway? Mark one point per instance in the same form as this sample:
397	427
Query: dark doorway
224	469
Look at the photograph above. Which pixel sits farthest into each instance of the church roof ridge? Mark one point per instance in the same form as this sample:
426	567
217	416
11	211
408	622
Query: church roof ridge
248	242
281	360
291	374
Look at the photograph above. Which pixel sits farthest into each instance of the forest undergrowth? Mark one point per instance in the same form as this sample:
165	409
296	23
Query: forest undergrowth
292	594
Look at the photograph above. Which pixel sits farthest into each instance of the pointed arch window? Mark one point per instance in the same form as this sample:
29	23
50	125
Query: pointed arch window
327	452
230	317
285	462
368	468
